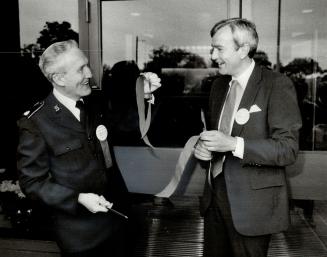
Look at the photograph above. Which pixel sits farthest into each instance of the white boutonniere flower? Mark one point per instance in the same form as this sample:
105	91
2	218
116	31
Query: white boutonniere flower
151	83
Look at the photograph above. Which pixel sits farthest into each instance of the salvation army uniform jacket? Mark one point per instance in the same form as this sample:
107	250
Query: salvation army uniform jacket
57	160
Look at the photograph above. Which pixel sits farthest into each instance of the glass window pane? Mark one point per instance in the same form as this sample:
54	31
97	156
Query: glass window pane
266	27
33	15
302	56
170	38
57	20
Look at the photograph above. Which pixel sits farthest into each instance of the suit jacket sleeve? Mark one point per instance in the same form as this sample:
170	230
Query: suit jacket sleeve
34	170
280	146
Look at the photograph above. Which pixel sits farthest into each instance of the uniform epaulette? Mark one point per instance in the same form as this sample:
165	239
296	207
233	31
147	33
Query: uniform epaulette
37	106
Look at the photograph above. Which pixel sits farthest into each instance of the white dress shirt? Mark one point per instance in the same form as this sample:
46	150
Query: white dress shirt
243	81
69	103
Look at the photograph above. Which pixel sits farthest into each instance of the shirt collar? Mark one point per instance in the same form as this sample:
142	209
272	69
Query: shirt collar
245	76
66	101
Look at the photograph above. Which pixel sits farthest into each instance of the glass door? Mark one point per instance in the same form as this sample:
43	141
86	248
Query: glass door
170	38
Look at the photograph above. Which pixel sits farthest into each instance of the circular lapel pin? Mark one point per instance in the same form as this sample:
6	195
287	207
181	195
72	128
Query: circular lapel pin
101	132
242	116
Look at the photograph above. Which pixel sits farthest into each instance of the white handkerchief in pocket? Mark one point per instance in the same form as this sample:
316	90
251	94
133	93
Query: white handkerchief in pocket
254	108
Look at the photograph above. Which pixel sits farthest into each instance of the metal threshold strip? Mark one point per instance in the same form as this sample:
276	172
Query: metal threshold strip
178	231
299	241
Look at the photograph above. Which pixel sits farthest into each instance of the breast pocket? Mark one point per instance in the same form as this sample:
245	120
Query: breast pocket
70	161
67	147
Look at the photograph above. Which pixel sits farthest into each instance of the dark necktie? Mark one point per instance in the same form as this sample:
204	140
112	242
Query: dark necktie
80	105
226	124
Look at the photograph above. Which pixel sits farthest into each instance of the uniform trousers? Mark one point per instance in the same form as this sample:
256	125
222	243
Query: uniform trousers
220	237
114	246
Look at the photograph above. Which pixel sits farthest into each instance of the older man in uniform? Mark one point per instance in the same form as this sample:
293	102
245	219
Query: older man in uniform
66	161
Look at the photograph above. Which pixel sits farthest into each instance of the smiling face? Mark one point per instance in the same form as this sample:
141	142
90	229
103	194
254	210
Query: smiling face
225	53
74	74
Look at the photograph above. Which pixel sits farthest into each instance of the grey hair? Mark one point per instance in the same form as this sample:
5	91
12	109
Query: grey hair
49	59
244	32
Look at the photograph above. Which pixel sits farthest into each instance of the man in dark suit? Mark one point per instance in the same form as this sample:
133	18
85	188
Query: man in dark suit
65	160
254	123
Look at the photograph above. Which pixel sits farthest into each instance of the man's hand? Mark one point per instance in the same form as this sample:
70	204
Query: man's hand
93	202
201	152
216	141
151	83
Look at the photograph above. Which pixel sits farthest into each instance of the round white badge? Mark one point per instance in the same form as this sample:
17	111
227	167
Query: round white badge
101	132
242	116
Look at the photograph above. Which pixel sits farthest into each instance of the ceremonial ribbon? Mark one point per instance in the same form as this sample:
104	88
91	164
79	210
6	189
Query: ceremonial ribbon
106	153
144	121
184	167
102	134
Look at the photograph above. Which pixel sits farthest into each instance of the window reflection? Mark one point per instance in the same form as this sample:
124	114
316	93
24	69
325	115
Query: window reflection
170	38
303	58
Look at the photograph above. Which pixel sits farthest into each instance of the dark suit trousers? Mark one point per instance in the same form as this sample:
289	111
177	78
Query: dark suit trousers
220	237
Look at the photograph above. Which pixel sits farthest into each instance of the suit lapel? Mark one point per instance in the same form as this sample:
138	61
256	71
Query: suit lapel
61	115
249	96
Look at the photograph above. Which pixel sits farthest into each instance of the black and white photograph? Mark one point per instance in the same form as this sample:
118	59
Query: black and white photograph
163	128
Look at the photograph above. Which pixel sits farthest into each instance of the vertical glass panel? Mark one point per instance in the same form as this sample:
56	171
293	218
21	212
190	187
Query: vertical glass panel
264	13
33	15
42	22
302	56
304	59
170	38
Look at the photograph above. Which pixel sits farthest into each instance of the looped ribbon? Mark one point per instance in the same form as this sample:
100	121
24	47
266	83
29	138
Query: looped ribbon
185	167
144	121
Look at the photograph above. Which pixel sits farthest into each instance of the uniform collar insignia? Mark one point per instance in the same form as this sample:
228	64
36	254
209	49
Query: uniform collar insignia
56	108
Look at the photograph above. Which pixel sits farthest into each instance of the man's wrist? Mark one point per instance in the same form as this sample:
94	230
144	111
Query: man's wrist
234	144
80	197
239	147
